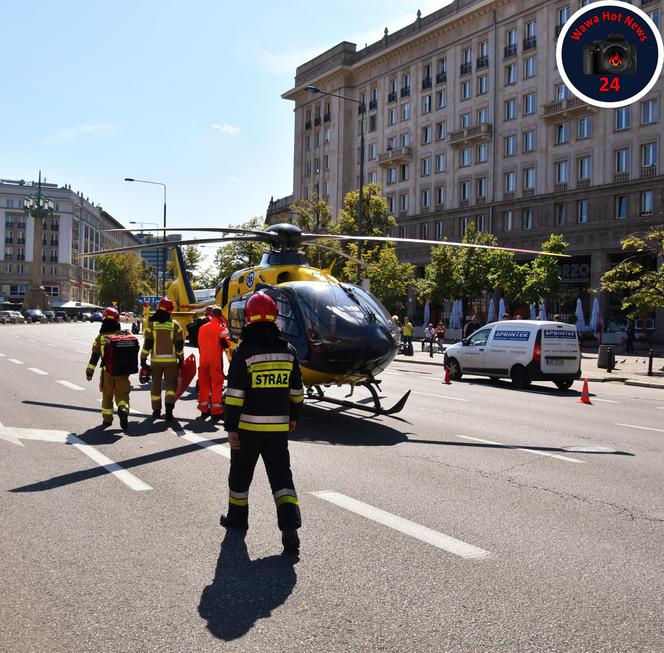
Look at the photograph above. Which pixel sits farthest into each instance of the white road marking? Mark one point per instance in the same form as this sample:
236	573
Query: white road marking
644	428
81	351
15	435
606	401
658	407
50	344
3	355
71	386
427	394
203	442
36	370
16	362
511	446
419	532
119	472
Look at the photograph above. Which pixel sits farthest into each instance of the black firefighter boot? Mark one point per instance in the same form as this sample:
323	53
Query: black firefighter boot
124	419
291	540
169	411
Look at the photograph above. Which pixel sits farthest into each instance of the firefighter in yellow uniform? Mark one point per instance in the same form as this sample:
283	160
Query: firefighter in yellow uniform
163	341
117	387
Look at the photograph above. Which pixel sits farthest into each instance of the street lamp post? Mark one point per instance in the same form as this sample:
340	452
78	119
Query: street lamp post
38	208
162	254
141	224
360	209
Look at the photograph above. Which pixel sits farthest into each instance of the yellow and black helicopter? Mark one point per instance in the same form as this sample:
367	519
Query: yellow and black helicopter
342	333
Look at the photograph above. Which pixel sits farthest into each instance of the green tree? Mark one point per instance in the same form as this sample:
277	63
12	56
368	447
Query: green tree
390	279
376	220
234	256
643	285
540	278
121	278
315	217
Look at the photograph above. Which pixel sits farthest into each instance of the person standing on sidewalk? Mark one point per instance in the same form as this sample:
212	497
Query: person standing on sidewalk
263	401
629	337
407	332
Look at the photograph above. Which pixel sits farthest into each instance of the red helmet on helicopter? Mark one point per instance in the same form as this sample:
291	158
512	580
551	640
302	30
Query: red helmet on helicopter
110	312
165	304
260	308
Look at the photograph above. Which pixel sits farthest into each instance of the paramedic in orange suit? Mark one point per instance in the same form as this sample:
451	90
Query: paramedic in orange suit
212	341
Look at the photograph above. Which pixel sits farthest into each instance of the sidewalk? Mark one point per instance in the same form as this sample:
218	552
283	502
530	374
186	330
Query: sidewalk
630	370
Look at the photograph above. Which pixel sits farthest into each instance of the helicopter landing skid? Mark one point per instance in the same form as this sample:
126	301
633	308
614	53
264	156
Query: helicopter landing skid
376	409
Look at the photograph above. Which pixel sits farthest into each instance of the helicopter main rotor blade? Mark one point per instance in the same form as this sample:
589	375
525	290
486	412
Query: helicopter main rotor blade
224	230
387	239
168	243
339	253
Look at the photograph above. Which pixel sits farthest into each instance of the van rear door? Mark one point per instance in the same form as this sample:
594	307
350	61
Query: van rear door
560	352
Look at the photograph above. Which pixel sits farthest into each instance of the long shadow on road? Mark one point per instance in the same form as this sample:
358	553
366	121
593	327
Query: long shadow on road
243	590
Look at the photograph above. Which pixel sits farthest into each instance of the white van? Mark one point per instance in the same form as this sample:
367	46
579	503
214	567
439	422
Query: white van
523	350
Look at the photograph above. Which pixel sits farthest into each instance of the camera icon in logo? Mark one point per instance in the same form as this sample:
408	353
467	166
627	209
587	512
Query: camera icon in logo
613	55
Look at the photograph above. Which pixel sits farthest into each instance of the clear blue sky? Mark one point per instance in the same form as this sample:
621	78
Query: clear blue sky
183	93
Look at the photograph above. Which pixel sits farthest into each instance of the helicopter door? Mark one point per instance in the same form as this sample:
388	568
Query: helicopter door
288	321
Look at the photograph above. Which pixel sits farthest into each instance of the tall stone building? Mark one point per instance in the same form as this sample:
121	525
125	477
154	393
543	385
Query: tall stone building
466	119
76	226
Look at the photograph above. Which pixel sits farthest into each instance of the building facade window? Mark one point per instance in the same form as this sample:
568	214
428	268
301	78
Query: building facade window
510	181
480	187
426	104
559	214
621	207
466	89
482	116
529	104
582	211
441	162
526	219
507	220
530	140
425	203
439	230
403	202
529	67
466	120
465	156
392	117
649	112
647	202
649	154
562	133
405	111
464	190
482	84
584	128
482	153
622	160
561	172
623	118
427	135
440	196
529	178
583	168
509	144
404	172
441	130
425	167
441	99
510	74
510	109
560	92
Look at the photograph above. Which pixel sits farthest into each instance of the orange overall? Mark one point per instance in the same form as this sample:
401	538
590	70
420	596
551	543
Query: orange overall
212	340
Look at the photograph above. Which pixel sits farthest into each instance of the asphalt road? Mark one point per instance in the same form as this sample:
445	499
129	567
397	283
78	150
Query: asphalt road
481	518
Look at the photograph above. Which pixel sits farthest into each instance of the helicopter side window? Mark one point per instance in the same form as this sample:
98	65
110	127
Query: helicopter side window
285	318
236	318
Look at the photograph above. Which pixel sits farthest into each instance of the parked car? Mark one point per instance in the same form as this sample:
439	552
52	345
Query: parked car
50	315
86	317
523	350
5	317
17	318
96	317
34	315
61	315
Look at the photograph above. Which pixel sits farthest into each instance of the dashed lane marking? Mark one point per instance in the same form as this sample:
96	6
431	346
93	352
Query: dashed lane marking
428	394
36	370
203	442
643	428
68	384
606	401
511	446
16	362
419	532
81	351
3	355
119	472
50	344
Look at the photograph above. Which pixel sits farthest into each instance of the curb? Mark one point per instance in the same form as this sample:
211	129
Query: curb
644	384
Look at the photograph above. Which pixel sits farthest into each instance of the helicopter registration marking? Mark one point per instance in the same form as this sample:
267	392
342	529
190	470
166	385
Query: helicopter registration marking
270	379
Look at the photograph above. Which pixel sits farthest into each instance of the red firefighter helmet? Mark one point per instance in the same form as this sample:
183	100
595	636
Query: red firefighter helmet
112	313
166	304
260	308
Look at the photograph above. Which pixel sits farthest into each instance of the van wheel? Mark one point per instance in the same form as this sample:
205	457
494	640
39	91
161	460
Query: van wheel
520	377
564	385
455	369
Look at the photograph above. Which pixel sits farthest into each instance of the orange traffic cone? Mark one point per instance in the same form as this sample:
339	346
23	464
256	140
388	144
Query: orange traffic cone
447	380
585	395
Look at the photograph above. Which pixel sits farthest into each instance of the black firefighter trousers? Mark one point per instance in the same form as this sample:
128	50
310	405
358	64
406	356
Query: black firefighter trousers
273	448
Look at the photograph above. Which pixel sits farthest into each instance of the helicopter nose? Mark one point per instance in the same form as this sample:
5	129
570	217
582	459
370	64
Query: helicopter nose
381	347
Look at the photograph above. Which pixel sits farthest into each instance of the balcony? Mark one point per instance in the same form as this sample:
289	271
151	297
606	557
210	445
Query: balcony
405	91
648	171
466	68
426	83
583	183
509	195
395	157
392	97
480	200
562	109
620	177
482	62
528	192
560	187
373	105
510	50
646	2
530	43
471	135
441	78
463	204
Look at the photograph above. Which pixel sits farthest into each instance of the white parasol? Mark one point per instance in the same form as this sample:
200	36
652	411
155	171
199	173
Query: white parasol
580	319
501	308
491	313
542	310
